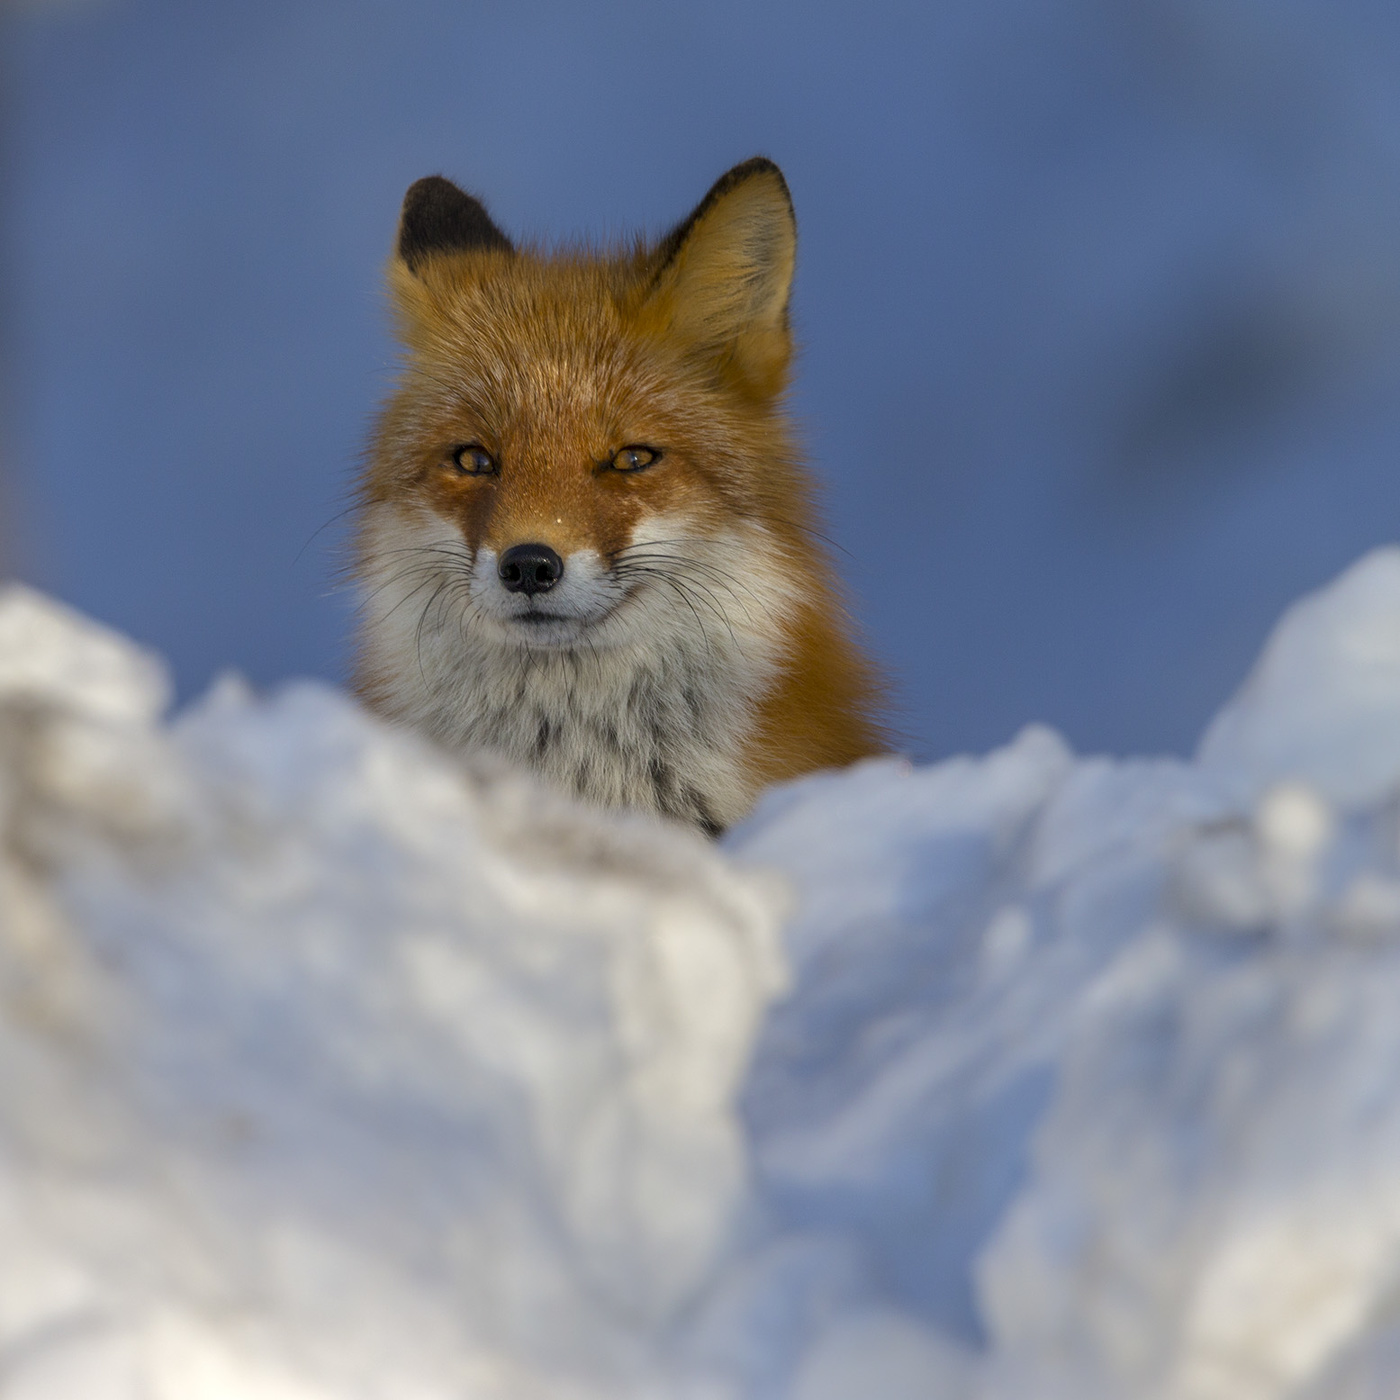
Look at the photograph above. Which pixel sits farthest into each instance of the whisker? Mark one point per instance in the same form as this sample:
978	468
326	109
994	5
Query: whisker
708	597
651	551
826	539
400	576
702	577
441	562
684	593
685	598
407	596
418	633
711	576
339	515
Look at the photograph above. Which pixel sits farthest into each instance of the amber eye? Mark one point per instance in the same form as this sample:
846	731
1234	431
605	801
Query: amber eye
634	458
473	460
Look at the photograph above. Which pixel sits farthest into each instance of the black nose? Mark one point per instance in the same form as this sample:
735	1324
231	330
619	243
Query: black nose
530	568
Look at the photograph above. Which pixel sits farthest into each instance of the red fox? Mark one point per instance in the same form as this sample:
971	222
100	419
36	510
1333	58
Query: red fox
585	536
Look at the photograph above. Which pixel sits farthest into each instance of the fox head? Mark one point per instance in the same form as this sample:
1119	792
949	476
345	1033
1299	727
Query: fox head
585	540
584	447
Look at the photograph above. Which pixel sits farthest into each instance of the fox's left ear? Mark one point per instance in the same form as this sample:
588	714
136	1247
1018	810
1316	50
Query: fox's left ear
721	279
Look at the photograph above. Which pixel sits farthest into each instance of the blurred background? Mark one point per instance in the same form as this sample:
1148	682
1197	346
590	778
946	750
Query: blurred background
1100	305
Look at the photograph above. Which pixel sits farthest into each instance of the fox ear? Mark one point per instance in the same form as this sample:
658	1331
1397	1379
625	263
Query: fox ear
721	279
439	218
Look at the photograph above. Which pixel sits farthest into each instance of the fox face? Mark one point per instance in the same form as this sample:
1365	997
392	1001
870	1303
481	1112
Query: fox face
585	540
574	477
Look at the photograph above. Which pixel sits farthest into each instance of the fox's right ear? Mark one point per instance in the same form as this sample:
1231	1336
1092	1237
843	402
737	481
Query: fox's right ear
439	218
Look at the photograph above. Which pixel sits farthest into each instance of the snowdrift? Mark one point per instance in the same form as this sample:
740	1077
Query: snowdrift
329	1072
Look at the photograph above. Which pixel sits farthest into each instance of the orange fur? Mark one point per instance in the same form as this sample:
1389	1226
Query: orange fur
551	363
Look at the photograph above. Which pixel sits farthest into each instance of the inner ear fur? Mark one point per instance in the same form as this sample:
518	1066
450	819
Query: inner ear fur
722	278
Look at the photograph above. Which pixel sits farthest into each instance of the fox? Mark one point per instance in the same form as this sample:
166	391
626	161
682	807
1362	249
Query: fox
586	540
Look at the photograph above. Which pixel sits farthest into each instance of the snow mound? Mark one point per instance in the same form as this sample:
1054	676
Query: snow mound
324	1072
328	1071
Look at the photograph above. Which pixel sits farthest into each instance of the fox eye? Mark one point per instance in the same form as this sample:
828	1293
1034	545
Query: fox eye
634	458
473	460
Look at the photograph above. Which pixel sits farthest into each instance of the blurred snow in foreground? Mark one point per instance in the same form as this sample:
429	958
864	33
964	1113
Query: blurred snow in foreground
327	1073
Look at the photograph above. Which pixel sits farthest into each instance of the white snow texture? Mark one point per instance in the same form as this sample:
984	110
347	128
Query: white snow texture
329	1072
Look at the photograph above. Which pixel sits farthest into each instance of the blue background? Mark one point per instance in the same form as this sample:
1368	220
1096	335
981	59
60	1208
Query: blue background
1100	305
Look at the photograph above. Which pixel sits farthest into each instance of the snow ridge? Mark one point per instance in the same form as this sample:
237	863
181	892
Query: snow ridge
328	1070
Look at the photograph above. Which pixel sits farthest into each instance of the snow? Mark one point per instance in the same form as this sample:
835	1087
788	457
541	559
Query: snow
328	1071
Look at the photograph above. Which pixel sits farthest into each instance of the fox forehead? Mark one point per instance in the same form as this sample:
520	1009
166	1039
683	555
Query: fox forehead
593	377
536	309
581	397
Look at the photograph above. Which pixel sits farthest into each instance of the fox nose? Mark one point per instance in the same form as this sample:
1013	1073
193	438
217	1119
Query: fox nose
530	569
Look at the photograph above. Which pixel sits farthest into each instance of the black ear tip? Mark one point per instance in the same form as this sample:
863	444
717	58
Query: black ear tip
741	174
756	165
438	217
753	167
430	190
